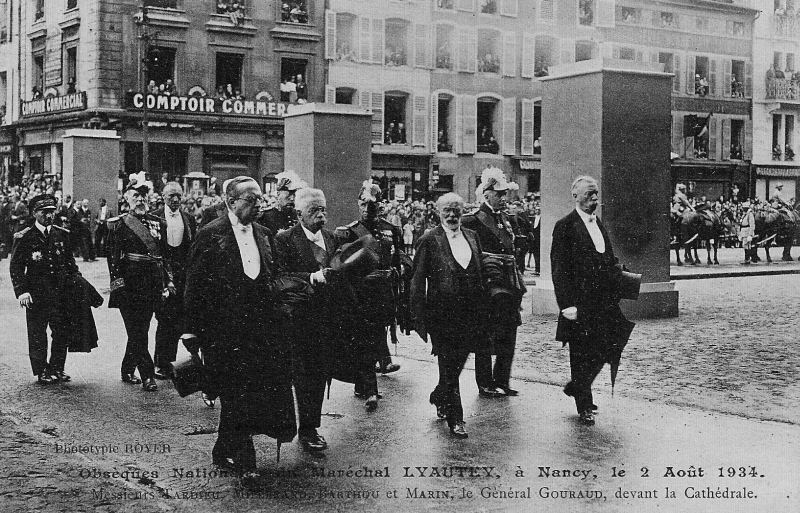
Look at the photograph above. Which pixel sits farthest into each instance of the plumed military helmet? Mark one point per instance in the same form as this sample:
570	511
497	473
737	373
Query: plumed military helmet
289	181
139	182
369	191
493	179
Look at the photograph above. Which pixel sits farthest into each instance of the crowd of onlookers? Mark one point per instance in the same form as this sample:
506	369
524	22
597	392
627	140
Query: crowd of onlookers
233	9
294	11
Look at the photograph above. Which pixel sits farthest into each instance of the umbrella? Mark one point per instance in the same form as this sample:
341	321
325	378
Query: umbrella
618	340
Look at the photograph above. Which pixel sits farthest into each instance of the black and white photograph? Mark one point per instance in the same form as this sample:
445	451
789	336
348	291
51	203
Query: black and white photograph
400	256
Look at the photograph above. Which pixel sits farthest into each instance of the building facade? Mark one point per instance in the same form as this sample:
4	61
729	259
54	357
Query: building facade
205	83
9	48
776	98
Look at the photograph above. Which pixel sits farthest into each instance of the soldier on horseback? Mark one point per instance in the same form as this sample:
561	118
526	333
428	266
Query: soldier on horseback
776	200
680	202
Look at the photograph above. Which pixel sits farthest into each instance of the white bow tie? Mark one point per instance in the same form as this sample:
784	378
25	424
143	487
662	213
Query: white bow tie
173	214
316	237
592	218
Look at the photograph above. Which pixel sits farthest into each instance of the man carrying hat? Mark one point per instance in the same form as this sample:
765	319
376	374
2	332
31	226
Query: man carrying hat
496	235
41	262
141	278
283	215
377	290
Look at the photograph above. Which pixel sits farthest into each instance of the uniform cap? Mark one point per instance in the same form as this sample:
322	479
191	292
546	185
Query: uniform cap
43	202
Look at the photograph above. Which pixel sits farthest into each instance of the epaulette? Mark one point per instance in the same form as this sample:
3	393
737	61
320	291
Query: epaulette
60	228
19	234
353	224
346	227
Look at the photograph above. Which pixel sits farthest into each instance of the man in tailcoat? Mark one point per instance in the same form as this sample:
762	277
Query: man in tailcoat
304	251
181	228
496	233
41	262
376	302
141	279
230	304
586	279
283	215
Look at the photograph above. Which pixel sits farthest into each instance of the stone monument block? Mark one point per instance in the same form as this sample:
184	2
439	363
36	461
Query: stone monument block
91	166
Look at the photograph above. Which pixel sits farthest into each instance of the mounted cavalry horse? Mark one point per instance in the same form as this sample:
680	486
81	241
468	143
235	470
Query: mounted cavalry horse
690	227
778	226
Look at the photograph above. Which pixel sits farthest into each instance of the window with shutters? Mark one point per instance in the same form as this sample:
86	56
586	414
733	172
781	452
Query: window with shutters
395	116
444	46
345	95
346	36
701	76
585	50
586	12
445	4
537	127
629	15
737	139
445	123
777	122
396	49
527	135
489	120
489	51
487	6
670	66
544	55
736	79
37	75
71	67
789	147
735	28
546	11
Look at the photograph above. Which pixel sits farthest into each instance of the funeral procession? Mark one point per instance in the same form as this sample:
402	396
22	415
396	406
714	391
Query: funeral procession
399	255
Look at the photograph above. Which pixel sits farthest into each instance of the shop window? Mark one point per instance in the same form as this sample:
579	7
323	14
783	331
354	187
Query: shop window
488	122
737	79
586	12
445	4
38	76
396	45
346	37
294	11
72	4
345	95
36	164
737	139
394	121
488	7
544	55
71	69
38	10
294	81
701	84
164	4
584	50
161	69
627	54
443	123
489	51
628	15
444	46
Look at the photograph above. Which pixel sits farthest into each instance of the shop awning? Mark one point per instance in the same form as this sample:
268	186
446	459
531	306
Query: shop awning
778	172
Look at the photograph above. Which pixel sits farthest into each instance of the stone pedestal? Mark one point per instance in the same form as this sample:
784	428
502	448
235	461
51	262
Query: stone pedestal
329	146
606	120
91	166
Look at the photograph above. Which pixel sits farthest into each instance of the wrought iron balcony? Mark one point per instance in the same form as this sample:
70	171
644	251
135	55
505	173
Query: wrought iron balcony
783	89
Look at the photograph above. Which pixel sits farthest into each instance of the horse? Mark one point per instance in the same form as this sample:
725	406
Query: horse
780	226
692	227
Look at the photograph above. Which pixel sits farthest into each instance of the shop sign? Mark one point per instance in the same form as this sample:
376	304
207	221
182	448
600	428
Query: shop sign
54	105
200	105
5	149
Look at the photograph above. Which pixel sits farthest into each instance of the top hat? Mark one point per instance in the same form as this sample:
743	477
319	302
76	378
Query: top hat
629	285
358	258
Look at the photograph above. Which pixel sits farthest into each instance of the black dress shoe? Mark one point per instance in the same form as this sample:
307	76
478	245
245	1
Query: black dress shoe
372	403
441	411
60	376
149	385
208	400
387	367
163	373
507	390
587	418
130	378
45	378
458	430
489	392
362	395
313	442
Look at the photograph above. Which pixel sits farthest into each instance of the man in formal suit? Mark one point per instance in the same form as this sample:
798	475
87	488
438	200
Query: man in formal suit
141	279
181	229
230	304
85	222
304	251
535	243
217	210
283	214
376	305
101	232
496	233
586	280
41	262
448	299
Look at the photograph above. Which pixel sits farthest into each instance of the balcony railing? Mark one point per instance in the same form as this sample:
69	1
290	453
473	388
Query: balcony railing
783	89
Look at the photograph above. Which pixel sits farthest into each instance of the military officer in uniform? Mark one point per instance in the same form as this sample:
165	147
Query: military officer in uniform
141	279
377	289
496	235
41	260
283	215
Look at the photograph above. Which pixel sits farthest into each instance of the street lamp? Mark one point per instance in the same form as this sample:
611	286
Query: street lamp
146	37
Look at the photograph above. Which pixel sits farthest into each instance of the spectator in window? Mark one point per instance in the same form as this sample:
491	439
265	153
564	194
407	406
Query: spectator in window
235	13
291	87
776	152
170	88
441	141
390	133
297	14
789	152
401	133
229	91
162	89
152	88
537	146
222	7
493	147
36	93
71	86
779	74
443	56
237	94
220	92
284	90
302	88
489	6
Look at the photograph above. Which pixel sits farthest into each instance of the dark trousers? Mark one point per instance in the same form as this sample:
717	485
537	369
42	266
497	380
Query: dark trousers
137	325
310	390
41	313
169	330
485	376
585	363
233	437
87	246
448	393
100	237
374	340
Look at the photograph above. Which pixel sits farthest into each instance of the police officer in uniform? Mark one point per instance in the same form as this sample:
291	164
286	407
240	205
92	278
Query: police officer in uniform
141	279
496	234
378	287
41	260
283	215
